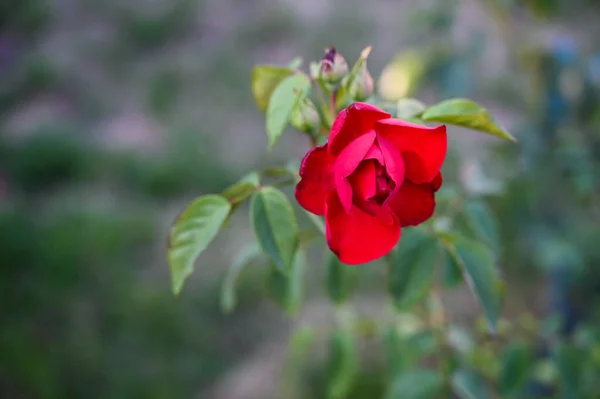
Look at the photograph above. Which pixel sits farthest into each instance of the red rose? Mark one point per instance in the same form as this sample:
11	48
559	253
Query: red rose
375	175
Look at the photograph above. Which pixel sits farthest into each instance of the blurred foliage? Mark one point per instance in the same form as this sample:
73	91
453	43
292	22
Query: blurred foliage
85	308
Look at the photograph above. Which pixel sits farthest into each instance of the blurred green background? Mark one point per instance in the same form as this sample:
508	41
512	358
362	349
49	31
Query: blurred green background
115	114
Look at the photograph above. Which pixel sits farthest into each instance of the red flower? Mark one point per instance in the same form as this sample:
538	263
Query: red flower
375	175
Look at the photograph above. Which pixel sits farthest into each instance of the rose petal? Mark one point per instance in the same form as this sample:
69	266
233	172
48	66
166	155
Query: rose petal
347	162
413	204
394	164
375	153
423	148
316	171
363	181
353	122
436	183
358	237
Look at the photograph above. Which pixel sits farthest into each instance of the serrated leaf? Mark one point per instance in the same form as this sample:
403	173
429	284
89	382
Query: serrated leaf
408	108
265	78
243	189
482	276
191	233
283	100
286	290
465	113
482	224
342	365
228	296
340	279
416	384
275	227
413	268
516	363
468	385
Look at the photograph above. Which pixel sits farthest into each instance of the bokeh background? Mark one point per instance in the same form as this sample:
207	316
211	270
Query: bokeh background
116	114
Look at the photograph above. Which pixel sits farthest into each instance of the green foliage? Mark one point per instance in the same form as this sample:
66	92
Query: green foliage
412	271
465	113
468	385
46	159
287	289
191	233
416	384
480	223
480	272
228	295
407	108
265	79
284	98
243	189
343	97
275	226
340	280
515	370
342	365
451	269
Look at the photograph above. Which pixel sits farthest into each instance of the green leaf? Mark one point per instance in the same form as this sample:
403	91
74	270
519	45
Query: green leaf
191	233
285	97
243	189
275	226
413	268
514	370
287	289
342	366
416	384
265	78
468	385
465	113
481	222
340	279
481	275
451	269
407	108
228	297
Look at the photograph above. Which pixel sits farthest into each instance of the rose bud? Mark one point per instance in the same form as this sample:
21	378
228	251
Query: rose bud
333	66
305	116
362	87
375	176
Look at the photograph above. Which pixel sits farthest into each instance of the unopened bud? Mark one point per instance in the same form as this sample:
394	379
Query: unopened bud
362	87
332	67
305	117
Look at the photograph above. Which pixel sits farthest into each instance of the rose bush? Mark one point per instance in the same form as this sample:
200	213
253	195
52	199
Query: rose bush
375	175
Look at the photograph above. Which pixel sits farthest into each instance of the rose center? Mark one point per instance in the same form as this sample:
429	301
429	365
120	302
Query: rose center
383	185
